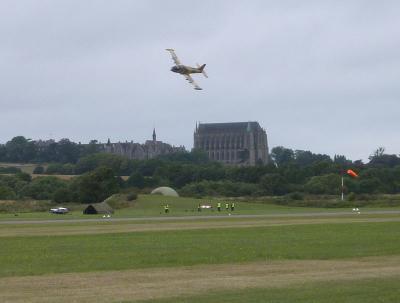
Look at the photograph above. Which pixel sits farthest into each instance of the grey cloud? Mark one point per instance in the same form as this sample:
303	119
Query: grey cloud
318	75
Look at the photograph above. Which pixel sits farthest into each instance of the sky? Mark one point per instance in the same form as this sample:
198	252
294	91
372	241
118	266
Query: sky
317	75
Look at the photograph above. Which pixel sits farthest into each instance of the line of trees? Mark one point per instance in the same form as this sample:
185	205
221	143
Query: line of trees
94	186
191	173
23	150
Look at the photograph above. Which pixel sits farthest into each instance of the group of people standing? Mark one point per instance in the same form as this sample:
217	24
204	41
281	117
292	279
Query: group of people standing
219	207
227	206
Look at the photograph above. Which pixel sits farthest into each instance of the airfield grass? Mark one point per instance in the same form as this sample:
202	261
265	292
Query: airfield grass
39	255
152	206
102	226
357	291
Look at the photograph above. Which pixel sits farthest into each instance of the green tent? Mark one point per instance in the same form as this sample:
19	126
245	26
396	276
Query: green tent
98	208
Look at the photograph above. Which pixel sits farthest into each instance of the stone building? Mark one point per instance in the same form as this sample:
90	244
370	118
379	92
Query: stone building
238	143
150	149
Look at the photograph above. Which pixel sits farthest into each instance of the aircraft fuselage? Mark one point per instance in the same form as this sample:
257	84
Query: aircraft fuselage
185	70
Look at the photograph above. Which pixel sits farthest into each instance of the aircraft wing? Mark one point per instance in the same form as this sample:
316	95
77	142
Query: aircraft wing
190	79
174	56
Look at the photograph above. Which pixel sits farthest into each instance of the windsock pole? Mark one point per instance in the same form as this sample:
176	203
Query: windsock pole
342	189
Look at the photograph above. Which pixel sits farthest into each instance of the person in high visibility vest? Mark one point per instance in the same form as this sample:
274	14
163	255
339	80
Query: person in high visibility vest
232	206
166	209
227	206
219	206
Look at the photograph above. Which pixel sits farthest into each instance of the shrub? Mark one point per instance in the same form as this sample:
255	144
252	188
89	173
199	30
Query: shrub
43	188
131	196
326	184
136	180
95	186
38	170
6	193
9	170
24	177
54	168
62	195
219	188
295	196
351	196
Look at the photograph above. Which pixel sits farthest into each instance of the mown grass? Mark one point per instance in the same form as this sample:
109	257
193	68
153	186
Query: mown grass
153	205
83	253
358	291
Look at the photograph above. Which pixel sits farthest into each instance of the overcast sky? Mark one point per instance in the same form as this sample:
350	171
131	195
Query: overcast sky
317	75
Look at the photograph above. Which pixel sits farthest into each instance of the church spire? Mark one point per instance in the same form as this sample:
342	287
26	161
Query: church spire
154	135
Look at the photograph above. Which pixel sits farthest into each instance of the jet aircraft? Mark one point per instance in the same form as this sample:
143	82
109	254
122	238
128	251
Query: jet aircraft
186	70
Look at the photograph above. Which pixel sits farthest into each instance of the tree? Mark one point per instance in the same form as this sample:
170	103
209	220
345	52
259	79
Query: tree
3	153
149	167
281	155
341	160
68	151
378	180
274	184
91	162
54	168
306	158
23	176
43	188
380	151
92	148
20	149
49	152
96	186
384	160
136	180
63	195
196	156
326	184
38	170
371	186
6	193
322	168
211	171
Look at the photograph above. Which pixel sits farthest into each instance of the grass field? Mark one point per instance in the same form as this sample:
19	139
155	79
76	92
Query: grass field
142	255
364	291
279	259
152	206
41	254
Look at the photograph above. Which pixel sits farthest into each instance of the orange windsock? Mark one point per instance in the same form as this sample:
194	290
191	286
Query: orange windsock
352	173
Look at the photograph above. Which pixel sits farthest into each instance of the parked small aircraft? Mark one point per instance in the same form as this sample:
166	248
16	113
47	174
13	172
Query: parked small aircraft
186	70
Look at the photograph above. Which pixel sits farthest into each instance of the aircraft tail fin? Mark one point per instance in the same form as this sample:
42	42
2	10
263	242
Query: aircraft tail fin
201	68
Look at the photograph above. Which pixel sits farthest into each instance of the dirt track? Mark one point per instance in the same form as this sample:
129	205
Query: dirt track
170	282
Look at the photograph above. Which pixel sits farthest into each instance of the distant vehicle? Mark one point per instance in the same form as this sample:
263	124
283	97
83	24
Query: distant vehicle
186	70
59	210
